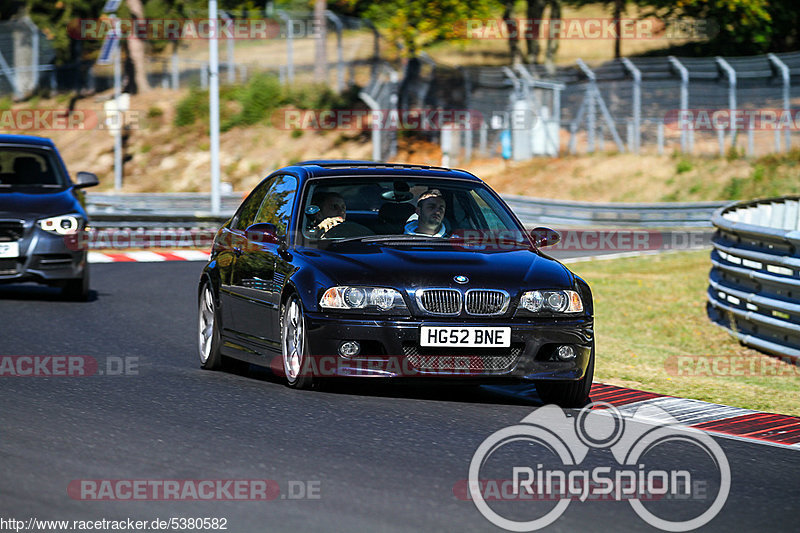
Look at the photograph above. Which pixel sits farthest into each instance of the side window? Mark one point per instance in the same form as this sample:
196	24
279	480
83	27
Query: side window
249	208
276	207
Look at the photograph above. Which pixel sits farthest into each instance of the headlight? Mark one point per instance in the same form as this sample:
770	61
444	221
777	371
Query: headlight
361	298
63	225
552	301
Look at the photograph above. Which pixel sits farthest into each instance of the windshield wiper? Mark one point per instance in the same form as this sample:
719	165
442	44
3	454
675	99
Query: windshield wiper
403	238
384	238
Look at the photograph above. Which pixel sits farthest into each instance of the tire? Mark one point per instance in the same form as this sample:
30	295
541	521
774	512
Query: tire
294	348
77	289
568	393
208	337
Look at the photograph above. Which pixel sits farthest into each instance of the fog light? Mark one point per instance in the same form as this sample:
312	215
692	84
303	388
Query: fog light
349	349
565	352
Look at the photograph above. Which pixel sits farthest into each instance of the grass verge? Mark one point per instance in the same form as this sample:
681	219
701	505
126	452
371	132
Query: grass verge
649	311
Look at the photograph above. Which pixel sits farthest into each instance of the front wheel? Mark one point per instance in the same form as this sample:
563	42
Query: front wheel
208	338
568	393
77	289
293	345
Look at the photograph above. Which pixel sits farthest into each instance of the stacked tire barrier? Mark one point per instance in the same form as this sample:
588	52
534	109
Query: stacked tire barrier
754	284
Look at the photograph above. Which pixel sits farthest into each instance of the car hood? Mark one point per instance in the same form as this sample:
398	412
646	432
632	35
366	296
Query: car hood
419	267
35	203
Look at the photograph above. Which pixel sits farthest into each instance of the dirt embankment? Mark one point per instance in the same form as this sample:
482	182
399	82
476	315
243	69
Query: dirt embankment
161	157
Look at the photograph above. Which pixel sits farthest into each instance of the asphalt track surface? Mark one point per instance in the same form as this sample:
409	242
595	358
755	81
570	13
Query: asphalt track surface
384	457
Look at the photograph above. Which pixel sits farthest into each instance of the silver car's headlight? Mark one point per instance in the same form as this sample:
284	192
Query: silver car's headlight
551	301
361	298
63	225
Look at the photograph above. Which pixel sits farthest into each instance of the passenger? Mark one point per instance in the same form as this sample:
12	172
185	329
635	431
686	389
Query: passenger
430	215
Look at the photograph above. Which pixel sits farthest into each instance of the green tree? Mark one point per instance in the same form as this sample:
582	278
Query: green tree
416	24
743	26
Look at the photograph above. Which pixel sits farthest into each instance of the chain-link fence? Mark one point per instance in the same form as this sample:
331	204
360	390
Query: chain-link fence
282	43
25	57
653	104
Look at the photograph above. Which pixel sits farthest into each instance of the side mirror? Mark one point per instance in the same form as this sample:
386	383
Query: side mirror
263	233
545	237
86	179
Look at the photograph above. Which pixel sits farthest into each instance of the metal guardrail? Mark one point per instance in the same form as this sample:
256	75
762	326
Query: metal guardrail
754	284
193	209
535	211
158	210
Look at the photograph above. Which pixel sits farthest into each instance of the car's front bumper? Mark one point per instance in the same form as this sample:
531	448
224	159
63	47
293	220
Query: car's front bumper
43	258
391	348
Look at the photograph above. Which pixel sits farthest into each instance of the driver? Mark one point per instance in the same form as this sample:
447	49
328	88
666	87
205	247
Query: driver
332	210
430	215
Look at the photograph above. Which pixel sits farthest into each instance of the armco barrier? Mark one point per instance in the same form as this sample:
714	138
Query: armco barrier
122	210
536	211
754	284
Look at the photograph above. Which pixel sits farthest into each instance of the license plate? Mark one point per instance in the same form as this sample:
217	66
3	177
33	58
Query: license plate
465	336
9	249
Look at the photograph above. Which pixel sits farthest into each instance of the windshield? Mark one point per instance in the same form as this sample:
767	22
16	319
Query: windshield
402	210
28	167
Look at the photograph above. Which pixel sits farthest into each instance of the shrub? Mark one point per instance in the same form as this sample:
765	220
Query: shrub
192	107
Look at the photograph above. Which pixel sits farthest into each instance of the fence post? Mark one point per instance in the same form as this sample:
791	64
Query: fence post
468	133
786	97
34	74
591	119
175	70
289	46
660	136
337	22
446	143
376	133
635	142
731	73
595	98
684	98
393	97
229	39
204	76
630	133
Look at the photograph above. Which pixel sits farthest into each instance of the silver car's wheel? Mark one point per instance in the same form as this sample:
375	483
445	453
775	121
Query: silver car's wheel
293	344
208	330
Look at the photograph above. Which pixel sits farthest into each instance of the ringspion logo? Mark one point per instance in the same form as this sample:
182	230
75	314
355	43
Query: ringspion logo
545	459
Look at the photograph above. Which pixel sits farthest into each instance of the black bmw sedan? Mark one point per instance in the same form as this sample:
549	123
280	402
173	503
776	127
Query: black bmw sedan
41	211
363	269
